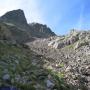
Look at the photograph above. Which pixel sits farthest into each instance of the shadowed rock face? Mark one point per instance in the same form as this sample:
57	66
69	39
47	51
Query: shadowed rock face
41	30
15	16
16	19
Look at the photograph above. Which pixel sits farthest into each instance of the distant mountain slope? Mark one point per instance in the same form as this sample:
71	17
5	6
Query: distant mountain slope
41	30
19	22
14	34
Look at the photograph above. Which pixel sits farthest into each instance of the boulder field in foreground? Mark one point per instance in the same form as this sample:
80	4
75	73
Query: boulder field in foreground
71	55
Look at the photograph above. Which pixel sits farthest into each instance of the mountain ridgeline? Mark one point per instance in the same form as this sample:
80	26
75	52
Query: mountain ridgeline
15	17
17	27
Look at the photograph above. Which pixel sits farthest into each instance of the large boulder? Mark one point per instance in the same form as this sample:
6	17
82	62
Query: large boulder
6	77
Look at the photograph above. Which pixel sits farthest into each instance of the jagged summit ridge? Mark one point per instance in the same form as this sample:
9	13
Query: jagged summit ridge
43	29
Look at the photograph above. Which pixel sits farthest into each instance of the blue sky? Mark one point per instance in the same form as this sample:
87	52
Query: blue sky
59	15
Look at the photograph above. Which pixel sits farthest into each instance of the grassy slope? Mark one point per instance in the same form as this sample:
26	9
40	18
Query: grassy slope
18	61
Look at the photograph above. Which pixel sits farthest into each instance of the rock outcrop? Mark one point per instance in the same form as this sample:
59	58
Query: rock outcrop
79	37
15	17
41	31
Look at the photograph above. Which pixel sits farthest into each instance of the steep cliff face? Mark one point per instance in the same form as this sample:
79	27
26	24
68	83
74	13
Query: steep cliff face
15	17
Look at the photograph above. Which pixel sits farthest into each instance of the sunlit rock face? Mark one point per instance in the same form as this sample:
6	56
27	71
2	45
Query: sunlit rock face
79	38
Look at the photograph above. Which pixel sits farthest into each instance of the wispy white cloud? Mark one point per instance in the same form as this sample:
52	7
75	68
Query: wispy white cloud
8	5
30	7
81	18
32	10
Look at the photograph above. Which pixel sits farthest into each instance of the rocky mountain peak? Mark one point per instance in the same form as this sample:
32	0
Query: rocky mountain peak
16	20
15	16
41	30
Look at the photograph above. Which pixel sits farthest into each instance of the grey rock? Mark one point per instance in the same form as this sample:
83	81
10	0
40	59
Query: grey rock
15	16
6	77
50	84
